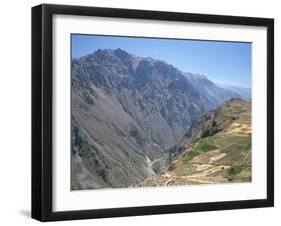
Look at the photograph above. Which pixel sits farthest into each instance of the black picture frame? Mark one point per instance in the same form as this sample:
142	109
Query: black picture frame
42	111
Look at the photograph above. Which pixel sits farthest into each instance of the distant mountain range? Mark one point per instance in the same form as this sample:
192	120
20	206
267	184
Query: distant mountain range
127	114
213	95
244	92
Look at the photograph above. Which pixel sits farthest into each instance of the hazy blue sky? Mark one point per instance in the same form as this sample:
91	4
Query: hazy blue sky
222	62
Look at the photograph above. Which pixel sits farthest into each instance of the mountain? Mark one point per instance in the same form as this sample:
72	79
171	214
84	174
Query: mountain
127	114
244	92
216	149
213	95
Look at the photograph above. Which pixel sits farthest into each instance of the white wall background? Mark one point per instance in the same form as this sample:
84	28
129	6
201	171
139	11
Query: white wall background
15	114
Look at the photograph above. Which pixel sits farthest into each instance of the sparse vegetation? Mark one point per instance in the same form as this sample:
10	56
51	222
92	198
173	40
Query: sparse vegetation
248	147
238	173
234	170
204	146
228	140
201	147
231	148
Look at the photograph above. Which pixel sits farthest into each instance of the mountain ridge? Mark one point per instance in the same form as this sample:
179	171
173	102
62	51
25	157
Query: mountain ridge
188	75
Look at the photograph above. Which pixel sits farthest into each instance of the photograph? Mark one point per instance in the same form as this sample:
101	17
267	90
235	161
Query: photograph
142	112
152	112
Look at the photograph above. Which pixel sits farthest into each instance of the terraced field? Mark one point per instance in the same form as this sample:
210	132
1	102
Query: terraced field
219	158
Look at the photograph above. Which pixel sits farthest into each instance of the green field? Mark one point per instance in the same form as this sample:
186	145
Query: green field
201	147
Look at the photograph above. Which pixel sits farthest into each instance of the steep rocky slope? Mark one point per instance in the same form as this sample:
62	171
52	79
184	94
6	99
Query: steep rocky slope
126	113
216	149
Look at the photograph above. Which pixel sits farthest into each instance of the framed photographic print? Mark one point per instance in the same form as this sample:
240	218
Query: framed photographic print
146	112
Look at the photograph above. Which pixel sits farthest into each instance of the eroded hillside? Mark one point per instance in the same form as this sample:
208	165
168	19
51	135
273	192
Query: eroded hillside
217	149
